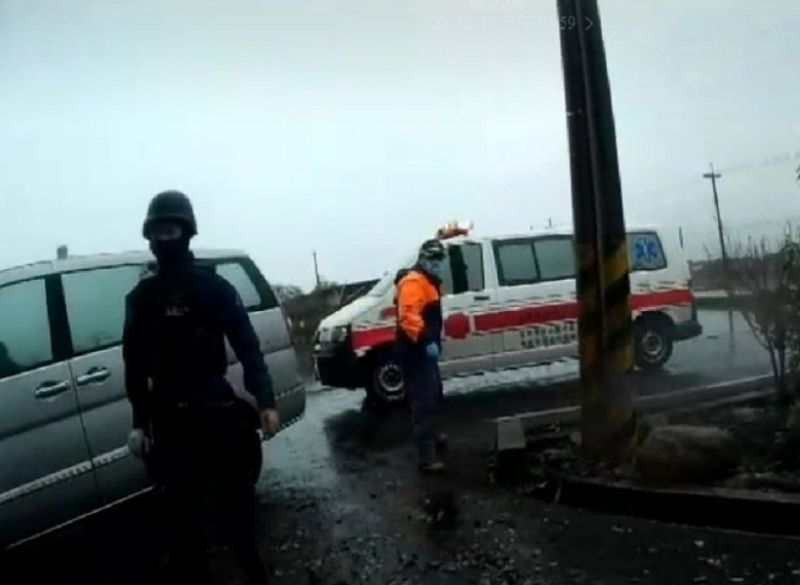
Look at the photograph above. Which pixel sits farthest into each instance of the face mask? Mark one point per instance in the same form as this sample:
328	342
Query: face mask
433	267
170	253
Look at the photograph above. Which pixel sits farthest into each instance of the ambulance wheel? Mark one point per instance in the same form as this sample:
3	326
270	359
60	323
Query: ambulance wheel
652	343
385	385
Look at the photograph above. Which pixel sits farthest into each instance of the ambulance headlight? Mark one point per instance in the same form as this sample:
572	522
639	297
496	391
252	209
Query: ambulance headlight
339	334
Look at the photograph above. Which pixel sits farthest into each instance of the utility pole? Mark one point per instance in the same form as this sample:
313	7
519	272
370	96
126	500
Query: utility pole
720	230
723	251
316	268
605	332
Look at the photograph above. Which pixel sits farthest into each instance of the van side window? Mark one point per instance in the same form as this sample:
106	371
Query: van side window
645	252
516	263
466	268
25	332
235	273
556	258
95	302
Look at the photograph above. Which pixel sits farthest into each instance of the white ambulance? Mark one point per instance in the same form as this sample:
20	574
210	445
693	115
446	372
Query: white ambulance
508	301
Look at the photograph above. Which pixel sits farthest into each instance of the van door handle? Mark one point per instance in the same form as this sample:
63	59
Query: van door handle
50	389
93	376
482	297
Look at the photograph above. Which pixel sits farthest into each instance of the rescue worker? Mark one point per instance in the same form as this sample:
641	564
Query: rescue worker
418	347
200	441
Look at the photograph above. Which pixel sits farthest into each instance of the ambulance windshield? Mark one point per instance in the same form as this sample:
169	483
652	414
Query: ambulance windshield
387	280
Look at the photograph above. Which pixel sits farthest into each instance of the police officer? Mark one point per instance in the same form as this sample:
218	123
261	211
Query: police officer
418	346
201	442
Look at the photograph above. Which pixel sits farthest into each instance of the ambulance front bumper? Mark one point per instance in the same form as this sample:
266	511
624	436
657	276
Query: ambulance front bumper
337	366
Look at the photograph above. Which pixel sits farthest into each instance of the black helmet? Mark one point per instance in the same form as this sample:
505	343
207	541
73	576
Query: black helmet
170	206
432	250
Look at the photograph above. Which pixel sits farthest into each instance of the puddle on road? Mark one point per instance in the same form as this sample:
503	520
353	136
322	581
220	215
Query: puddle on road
719	354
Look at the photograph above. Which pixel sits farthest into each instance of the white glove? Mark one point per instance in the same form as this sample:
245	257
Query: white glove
138	443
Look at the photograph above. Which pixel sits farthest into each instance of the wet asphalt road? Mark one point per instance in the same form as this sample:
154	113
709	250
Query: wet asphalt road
341	501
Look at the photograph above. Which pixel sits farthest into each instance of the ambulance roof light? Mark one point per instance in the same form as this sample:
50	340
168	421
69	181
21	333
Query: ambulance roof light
454	229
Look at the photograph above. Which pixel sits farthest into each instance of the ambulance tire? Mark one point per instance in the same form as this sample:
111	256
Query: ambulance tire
653	344
385	384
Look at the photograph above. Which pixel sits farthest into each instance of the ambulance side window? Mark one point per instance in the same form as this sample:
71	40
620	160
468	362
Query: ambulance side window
447	277
466	269
516	262
555	257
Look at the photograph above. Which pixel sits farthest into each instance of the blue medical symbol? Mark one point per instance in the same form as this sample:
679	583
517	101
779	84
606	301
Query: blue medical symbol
646	251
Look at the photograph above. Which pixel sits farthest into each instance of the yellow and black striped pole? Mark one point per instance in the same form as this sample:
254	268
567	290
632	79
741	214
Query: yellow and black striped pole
605	335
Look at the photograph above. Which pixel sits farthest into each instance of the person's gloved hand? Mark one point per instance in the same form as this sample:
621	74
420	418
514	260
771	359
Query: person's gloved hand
433	351
138	443
270	422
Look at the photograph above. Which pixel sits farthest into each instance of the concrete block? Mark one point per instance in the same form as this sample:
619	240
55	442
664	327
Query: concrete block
510	450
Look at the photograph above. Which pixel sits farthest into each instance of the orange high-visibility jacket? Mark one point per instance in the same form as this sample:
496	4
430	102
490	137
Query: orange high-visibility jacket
419	309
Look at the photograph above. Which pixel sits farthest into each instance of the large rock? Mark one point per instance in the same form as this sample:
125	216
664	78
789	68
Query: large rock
790	449
646	424
793	424
687	453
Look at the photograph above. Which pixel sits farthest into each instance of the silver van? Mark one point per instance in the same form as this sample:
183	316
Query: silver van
64	414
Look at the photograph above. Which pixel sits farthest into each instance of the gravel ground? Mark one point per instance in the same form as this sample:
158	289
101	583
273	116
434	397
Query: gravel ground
341	503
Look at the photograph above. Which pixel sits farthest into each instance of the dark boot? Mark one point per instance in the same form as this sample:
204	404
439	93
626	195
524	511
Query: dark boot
427	459
442	443
253	567
240	533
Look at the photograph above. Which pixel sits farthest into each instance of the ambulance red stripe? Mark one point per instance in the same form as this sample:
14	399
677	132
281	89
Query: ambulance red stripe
524	316
371	337
682	296
535	315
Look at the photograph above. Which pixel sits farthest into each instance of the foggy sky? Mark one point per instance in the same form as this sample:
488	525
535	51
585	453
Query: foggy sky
317	124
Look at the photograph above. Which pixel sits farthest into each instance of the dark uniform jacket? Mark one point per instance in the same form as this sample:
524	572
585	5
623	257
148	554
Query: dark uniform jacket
174	343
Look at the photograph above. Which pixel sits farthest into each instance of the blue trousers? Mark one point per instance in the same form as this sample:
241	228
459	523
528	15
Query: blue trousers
424	387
